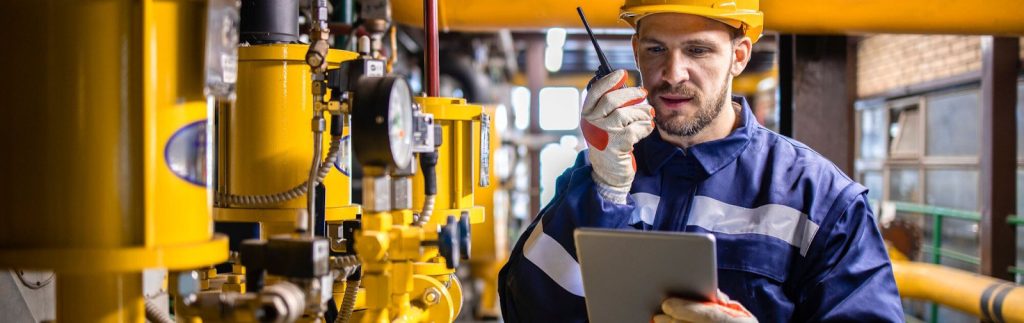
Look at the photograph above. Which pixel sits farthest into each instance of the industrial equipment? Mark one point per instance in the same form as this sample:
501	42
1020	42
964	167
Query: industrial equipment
237	137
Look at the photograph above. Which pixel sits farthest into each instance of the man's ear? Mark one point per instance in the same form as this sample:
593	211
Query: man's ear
741	55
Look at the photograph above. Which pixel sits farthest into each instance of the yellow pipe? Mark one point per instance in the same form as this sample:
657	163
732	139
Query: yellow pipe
960	290
999	17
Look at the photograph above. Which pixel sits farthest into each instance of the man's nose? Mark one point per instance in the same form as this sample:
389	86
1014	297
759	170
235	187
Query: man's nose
677	68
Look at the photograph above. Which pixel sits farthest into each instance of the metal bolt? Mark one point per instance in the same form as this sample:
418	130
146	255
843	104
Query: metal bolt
314	59
432	296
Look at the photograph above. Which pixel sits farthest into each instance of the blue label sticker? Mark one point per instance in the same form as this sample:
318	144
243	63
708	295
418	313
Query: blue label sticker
344	160
185	153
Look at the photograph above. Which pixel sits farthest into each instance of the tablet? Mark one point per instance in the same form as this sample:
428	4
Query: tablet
627	274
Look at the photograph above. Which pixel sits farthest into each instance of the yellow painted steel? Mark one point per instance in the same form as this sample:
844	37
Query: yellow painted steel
397	269
266	138
958	289
123	259
999	17
747	83
490	241
178	211
394	275
99	89
457	162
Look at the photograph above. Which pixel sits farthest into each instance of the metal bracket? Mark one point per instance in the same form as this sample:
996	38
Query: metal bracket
485	150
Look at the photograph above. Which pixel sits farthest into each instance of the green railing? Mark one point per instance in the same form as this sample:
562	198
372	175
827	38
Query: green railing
935	247
939	214
1015	220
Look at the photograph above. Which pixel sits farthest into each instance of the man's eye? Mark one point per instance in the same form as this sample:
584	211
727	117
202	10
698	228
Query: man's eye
655	49
699	51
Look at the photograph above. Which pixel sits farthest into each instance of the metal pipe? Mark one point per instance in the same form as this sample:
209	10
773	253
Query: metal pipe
995	17
985	297
430	54
309	223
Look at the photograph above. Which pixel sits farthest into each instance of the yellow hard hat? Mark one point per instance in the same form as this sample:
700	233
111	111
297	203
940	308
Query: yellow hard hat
743	14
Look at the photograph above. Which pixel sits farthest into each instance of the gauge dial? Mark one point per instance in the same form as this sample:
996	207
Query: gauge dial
400	122
382	110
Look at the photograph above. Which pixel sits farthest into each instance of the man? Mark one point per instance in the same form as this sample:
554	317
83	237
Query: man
795	236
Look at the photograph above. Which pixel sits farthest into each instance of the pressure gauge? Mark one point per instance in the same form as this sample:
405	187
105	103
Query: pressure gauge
382	122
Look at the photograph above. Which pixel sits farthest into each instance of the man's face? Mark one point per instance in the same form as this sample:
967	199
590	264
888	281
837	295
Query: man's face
687	63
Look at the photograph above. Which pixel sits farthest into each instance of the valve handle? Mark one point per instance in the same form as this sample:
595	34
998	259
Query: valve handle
448	244
464	235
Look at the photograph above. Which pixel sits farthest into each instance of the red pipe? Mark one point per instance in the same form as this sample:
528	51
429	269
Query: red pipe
430	59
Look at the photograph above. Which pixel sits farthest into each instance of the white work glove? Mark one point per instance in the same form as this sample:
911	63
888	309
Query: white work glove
615	118
720	310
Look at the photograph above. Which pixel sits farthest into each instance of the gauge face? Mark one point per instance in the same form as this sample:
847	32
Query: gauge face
400	123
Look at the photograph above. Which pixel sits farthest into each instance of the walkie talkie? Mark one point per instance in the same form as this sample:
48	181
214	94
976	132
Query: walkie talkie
605	68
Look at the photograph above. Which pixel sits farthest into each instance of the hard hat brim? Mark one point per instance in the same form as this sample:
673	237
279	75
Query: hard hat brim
752	21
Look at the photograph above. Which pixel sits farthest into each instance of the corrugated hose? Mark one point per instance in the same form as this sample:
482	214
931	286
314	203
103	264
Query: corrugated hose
296	191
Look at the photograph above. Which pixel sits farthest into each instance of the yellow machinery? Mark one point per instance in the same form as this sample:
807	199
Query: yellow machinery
996	17
410	257
114	136
109	131
261	138
490	238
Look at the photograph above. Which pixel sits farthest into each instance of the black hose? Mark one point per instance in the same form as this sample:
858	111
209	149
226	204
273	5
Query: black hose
428	164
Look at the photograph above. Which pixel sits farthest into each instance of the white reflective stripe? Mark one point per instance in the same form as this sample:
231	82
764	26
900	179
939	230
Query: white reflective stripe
774	220
646	207
542	250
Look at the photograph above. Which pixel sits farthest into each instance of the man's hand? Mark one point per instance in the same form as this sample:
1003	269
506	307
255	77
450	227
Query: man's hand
615	118
722	309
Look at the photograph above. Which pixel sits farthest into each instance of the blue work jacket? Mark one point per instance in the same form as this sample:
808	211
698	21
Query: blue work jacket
796	238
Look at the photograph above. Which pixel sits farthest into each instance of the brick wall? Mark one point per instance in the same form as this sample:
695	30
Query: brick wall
886	62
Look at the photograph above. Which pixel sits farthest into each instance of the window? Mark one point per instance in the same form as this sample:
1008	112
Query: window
1020	121
559	108
903	184
1020	178
872	128
555	158
953	124
875	183
905	131
521	107
500	118
924	150
872	148
952	188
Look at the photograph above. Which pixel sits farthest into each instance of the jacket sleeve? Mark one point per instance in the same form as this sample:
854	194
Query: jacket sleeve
541	281
850	276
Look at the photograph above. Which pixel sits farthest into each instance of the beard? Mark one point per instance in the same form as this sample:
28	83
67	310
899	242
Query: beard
674	123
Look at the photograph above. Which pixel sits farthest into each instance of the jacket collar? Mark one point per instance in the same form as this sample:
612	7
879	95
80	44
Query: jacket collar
710	156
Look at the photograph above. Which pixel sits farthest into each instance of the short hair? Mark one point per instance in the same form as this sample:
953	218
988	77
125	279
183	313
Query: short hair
737	33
